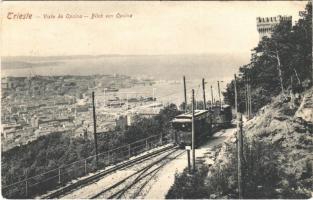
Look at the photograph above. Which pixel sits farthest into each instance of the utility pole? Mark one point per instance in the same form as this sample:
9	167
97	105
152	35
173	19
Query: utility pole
188	156
236	101
185	94
239	141
211	97
95	126
246	96
311	67
240	157
250	99
203	88
188	148
193	132
219	93
235	85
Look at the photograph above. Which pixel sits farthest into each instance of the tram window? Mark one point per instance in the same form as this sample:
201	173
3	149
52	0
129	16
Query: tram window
182	126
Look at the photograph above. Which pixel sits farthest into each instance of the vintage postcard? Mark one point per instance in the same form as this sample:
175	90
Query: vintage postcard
156	100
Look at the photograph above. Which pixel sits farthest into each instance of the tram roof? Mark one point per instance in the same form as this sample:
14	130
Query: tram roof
223	106
226	106
186	117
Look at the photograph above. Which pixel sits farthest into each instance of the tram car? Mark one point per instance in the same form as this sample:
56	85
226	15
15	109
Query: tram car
183	125
206	123
221	116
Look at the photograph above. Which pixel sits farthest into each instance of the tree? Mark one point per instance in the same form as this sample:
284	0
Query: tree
277	61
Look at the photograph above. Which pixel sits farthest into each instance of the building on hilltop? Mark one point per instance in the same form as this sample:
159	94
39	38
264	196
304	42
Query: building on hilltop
265	25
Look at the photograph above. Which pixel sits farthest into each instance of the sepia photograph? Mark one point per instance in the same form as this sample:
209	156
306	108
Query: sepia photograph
156	100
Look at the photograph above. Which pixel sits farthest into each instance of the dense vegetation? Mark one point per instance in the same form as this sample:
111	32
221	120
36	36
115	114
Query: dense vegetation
271	163
263	177
278	64
189	186
54	150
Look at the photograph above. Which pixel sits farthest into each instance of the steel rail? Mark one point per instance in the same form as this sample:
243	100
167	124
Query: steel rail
141	175
128	177
96	177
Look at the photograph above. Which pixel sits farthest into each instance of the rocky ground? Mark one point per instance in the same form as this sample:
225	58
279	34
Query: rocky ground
277	156
289	125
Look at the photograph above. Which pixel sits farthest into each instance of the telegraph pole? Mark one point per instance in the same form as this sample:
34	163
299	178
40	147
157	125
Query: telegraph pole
246	96
185	94
211	97
236	110
248	85
95	126
219	93
193	132
188	158
240	157
203	88
250	99
239	141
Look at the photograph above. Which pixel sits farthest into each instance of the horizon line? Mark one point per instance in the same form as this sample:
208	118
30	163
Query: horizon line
100	55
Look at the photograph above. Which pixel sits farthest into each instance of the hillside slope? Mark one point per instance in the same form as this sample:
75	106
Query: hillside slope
277	157
290	127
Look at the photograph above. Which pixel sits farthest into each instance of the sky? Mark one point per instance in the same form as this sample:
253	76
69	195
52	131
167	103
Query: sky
155	28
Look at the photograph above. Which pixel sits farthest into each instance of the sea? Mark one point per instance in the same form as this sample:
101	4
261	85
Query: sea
166	70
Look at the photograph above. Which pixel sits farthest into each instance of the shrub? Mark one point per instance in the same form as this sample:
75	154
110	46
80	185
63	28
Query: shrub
263	177
189	186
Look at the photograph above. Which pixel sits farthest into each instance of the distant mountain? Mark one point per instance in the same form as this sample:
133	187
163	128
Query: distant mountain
158	66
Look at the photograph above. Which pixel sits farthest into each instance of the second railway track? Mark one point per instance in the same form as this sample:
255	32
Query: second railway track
61	192
132	185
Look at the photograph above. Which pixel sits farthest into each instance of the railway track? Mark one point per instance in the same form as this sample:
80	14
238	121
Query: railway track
131	186
94	178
